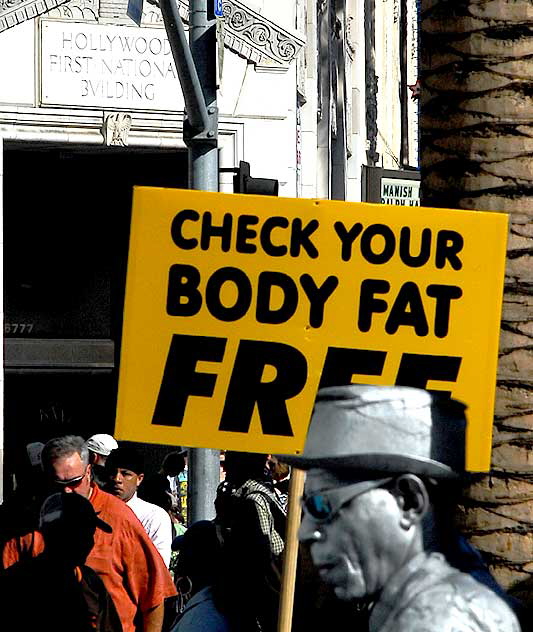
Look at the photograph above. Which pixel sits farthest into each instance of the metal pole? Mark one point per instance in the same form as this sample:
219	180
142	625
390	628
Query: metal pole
203	153
204	465
196	66
204	476
195	106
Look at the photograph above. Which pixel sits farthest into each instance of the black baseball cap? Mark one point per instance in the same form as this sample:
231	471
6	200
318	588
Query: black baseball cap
69	511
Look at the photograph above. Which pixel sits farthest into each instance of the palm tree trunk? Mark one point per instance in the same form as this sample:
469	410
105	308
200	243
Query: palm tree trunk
477	153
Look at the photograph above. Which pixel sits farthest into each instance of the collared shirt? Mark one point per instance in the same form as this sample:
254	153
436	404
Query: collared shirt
427	594
156	523
262	495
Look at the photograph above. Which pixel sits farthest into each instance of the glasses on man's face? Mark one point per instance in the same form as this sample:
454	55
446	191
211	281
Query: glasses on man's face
323	505
71	483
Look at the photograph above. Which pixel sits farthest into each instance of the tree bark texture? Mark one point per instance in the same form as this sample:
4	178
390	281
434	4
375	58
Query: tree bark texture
477	153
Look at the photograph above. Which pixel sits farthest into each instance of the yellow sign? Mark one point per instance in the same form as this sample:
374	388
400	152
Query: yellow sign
238	307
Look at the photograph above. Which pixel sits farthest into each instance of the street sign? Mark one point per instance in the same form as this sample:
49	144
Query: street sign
135	11
400	192
238	307
218	8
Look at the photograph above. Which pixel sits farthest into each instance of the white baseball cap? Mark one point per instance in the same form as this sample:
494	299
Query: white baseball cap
101	444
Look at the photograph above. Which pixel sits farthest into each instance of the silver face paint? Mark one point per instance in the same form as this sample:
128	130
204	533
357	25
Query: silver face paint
380	539
354	551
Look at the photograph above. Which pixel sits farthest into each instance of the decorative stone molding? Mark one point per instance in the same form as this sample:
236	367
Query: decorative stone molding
247	33
80	10
117	128
13	12
152	13
85	127
261	41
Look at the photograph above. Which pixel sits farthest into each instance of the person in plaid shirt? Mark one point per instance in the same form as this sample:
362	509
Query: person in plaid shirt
251	522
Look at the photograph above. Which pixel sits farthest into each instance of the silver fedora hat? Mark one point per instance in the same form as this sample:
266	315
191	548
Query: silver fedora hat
390	429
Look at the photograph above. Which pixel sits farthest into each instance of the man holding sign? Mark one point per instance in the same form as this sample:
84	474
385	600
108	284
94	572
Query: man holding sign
382	465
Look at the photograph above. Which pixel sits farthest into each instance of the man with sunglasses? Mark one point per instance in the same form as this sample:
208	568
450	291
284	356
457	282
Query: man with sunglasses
131	568
382	463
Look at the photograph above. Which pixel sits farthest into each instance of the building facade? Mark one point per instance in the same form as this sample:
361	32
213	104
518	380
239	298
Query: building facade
320	95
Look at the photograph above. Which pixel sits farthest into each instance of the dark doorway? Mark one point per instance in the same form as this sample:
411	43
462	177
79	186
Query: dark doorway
66	228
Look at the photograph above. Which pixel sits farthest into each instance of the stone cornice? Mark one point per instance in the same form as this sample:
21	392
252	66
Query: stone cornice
84	127
246	32
13	12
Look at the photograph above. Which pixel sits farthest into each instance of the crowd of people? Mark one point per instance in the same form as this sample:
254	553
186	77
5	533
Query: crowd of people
107	547
90	542
124	557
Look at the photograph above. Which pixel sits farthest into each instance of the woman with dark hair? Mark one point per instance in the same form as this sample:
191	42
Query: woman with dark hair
198	580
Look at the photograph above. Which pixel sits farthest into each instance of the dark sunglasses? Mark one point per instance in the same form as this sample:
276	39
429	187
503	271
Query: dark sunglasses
71	482
322	506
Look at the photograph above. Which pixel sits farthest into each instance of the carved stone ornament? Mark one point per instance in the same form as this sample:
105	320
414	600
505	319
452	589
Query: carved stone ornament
261	41
80	10
116	129
247	33
13	12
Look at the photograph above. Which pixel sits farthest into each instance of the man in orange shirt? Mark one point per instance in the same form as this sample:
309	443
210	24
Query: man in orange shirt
128	563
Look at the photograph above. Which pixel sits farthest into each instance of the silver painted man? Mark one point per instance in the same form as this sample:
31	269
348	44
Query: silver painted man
381	464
